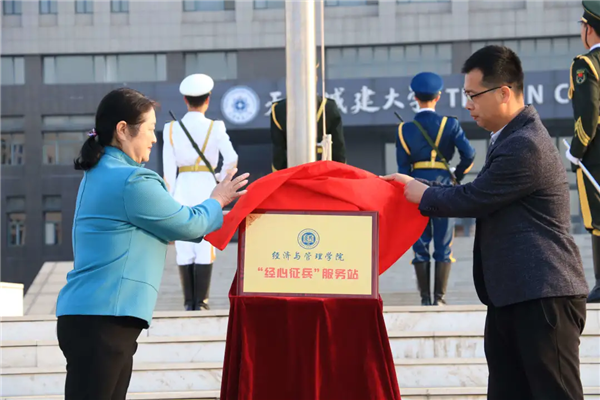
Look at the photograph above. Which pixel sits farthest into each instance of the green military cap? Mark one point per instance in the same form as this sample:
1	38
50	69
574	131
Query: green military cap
591	14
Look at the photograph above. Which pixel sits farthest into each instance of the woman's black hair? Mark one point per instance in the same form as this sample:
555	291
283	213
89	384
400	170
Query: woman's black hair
123	104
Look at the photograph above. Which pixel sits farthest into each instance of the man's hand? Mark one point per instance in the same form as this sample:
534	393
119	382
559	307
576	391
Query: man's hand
398	178
413	191
227	190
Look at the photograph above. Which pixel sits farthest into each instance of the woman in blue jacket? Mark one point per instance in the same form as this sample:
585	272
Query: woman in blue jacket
124	219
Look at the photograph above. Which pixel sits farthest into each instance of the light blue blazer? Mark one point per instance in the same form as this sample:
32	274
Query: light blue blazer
124	219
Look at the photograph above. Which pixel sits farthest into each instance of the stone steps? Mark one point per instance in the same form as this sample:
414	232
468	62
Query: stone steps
466	393
157	378
214	323
438	353
208	349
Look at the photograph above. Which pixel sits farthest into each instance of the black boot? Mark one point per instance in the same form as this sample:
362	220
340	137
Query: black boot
423	273
442	272
594	296
186	275
202	274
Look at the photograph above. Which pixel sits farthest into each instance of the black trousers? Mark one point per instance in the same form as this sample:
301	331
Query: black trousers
99	352
532	349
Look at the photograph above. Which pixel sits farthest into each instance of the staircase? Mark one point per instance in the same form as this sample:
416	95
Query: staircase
438	352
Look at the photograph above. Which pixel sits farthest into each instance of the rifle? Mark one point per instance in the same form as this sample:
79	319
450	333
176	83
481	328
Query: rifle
434	147
195	146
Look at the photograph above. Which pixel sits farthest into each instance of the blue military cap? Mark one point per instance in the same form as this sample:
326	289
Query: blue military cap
427	83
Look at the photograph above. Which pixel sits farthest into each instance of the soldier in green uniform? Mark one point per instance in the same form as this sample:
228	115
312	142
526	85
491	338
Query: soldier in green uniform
585	146
333	122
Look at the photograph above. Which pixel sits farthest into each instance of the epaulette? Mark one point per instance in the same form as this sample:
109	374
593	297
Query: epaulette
452	116
591	66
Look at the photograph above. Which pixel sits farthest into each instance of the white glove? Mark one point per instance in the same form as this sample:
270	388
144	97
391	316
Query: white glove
570	157
453	169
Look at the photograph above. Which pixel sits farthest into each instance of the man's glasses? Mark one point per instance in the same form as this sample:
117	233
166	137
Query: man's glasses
470	97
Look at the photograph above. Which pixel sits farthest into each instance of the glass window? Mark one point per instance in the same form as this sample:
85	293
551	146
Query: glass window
105	68
48	7
16	229
547	54
208	5
219	65
13	148
349	3
422	1
15	204
61	148
264	4
13	70
52	228
52	220
388	61
119	6
141	67
84	6
12	124
15	212
84	122
11	7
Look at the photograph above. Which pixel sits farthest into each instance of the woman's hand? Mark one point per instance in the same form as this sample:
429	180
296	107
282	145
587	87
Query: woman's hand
227	190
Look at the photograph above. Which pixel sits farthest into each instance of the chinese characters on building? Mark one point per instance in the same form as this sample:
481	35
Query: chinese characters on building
370	101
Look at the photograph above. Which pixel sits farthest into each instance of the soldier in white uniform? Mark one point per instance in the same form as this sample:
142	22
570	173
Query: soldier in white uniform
190	181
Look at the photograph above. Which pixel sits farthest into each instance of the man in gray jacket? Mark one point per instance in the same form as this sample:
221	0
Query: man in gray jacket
526	266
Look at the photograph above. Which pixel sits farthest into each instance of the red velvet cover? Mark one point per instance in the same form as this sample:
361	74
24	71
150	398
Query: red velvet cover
316	348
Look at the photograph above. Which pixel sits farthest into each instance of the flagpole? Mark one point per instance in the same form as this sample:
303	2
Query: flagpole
301	85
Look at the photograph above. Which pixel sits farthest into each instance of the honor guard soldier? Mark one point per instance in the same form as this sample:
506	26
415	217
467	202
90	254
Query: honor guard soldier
418	147
333	122
585	145
190	181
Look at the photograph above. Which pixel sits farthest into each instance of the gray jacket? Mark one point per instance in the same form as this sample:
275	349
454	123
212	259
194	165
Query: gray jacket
523	249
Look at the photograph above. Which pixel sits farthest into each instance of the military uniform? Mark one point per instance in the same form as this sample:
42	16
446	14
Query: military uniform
333	122
190	182
416	157
585	145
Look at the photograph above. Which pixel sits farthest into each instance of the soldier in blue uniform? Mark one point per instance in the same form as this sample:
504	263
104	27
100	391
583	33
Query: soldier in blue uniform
417	158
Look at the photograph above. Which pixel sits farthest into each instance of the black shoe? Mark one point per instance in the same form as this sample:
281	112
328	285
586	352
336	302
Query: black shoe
202	275
422	270
442	272
594	296
186	275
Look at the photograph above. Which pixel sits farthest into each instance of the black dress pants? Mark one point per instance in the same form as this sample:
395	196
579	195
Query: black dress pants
532	349
99	352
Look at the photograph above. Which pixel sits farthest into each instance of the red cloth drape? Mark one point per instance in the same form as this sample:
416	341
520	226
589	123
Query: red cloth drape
316	348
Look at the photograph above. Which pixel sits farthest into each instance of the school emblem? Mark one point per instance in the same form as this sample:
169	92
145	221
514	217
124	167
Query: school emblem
580	76
308	239
240	105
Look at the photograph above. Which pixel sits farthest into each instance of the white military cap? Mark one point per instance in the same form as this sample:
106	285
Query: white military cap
196	85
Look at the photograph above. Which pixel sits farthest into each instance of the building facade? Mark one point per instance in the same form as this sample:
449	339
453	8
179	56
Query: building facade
59	57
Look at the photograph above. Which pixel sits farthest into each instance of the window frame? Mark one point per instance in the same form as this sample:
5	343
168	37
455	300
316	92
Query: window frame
56	147
119	6
16	7
12	155
228	5
84	7
52	7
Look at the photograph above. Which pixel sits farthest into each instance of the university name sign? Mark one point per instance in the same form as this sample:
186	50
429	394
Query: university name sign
362	102
374	101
